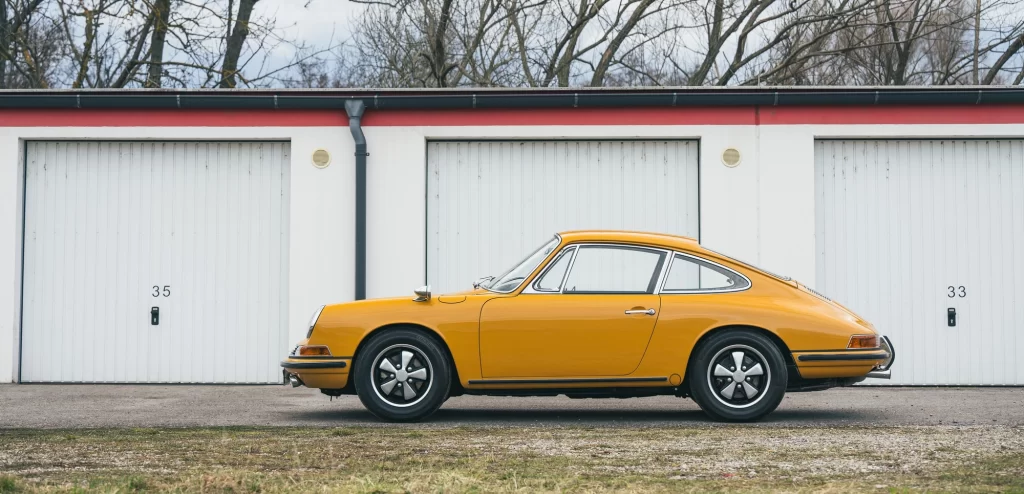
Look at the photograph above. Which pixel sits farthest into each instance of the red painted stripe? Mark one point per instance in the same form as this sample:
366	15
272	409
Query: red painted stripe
905	115
171	118
562	116
786	115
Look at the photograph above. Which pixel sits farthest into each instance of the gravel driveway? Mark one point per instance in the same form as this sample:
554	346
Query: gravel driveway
85	406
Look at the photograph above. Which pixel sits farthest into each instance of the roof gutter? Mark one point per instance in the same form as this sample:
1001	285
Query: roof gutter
355	108
483	99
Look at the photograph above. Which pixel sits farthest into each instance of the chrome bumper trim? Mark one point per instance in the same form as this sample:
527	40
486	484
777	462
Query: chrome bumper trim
887	346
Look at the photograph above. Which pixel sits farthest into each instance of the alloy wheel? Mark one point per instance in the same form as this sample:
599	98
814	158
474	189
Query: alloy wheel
402	375
738	376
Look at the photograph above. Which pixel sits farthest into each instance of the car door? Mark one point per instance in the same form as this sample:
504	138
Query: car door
590	313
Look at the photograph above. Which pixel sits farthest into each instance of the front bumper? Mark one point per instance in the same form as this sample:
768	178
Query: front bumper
319	372
314	364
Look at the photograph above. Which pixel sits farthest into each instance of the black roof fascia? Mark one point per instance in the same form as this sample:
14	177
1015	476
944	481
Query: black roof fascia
508	98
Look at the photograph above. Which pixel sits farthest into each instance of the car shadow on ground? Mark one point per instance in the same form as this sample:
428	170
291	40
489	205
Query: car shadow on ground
519	417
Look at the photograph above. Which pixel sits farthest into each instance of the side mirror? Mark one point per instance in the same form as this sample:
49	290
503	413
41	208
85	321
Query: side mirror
422	294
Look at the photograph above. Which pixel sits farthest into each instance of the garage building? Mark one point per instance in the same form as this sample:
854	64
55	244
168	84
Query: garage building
186	236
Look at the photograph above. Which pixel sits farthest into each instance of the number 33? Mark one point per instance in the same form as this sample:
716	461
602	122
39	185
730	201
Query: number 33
957	291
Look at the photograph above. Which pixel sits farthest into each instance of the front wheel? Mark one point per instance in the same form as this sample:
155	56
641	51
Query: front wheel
402	375
737	376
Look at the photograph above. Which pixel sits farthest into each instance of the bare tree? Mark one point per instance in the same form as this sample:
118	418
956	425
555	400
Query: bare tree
901	42
513	43
143	43
239	33
586	42
433	43
17	35
159	17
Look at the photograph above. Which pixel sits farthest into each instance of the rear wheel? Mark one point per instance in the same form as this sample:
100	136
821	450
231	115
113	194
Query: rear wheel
402	375
737	376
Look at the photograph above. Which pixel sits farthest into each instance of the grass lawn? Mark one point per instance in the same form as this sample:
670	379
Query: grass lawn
489	459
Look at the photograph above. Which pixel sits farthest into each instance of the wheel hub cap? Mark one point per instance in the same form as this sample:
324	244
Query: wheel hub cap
403	376
738	375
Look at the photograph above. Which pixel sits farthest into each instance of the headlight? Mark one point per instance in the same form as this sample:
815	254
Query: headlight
312	320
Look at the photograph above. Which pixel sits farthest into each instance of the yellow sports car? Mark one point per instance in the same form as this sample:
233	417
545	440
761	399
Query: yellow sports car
595	314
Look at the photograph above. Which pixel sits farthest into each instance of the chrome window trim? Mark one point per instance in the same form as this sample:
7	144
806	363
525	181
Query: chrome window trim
749	266
532	287
657	284
527	277
664	270
701	291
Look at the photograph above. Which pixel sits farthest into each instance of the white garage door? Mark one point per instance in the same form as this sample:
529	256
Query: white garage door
155	262
911	231
491	203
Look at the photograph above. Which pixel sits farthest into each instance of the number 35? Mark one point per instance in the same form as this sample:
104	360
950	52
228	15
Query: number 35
166	291
956	291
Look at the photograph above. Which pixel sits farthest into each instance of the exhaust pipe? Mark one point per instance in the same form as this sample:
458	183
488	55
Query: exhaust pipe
296	382
877	374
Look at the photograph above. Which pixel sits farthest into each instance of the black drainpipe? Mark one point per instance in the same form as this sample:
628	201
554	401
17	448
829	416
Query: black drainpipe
355	109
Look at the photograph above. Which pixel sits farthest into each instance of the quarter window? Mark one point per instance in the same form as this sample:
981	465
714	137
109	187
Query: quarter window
614	269
688	274
551	280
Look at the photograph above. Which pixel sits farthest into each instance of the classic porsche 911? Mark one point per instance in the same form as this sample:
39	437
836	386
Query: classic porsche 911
595	314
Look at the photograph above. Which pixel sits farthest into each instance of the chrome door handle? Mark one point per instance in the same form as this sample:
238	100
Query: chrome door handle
649	312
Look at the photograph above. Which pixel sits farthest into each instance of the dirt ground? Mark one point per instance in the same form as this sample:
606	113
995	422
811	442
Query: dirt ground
491	459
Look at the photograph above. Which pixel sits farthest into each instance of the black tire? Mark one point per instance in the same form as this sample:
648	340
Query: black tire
710	384
385	393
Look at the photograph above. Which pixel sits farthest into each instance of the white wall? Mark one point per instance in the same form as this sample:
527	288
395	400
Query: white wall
761	211
396	190
322	253
10	253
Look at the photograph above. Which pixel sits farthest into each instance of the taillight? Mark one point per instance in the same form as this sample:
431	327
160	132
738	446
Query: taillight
863	341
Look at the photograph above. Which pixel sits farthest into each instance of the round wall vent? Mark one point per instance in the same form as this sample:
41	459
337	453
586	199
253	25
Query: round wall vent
731	157
321	158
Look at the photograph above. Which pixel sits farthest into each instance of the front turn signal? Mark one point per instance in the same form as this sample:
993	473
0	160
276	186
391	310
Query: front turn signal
863	341
314	351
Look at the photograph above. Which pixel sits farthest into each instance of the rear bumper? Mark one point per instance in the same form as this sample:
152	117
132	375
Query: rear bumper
883	371
843	357
873	362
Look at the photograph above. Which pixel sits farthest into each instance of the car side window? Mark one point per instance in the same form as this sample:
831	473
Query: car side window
551	279
614	269
688	274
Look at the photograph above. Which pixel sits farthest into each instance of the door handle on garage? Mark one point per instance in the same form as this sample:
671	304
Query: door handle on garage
649	312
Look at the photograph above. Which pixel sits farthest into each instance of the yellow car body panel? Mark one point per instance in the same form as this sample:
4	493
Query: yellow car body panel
564	335
519	336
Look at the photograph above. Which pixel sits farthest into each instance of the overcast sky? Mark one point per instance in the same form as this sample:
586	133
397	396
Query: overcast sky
314	23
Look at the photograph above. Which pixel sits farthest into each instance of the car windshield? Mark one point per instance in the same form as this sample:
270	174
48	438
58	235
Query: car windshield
515	276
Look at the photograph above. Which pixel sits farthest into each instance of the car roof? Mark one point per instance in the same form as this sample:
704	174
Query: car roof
648	238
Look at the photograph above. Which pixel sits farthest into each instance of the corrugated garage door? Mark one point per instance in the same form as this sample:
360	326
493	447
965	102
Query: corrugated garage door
910	231
114	230
491	203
